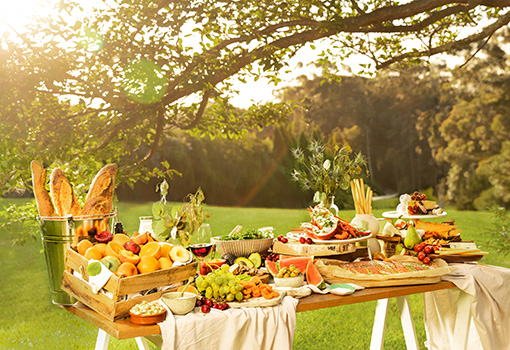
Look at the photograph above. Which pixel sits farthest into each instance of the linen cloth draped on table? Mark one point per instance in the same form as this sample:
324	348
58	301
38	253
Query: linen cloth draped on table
237	329
489	291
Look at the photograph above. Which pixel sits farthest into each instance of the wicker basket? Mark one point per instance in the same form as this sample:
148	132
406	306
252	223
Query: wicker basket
242	247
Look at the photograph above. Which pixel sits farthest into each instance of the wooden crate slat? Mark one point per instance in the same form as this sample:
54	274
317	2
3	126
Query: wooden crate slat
134	284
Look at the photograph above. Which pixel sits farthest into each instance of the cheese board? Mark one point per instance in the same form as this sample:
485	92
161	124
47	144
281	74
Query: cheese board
396	215
258	302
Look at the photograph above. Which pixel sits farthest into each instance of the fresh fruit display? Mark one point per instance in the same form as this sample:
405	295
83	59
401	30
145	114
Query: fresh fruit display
305	264
128	256
220	284
324	225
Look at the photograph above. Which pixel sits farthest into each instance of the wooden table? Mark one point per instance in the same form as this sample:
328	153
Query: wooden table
124	329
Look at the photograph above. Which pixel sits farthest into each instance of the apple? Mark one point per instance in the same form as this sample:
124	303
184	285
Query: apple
205	266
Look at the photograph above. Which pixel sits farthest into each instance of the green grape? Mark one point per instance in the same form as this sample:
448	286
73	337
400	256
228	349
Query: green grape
224	290
231	283
216	294
218	280
225	267
209	290
208	294
239	296
230	297
215	287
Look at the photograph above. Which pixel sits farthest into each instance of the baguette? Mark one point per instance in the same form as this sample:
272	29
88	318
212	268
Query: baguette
100	197
64	198
42	197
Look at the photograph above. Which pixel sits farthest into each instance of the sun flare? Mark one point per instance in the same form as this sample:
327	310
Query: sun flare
15	15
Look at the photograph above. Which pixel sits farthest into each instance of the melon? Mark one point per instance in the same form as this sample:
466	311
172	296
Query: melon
272	267
301	262
313	276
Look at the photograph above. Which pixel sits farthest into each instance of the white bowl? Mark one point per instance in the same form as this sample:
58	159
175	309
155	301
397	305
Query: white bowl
290	282
182	305
242	247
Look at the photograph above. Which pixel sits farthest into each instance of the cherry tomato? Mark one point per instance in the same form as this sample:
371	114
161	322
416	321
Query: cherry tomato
428	249
421	256
426	260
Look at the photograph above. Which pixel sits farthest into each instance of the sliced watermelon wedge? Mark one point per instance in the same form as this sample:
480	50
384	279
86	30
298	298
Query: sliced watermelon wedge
272	267
313	276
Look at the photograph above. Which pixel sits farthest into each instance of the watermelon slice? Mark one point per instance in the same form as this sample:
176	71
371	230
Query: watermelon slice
272	267
313	276
301	262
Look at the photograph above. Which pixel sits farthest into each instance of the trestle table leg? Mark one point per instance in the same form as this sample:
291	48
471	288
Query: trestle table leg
461	331
406	318
102	341
381	312
142	343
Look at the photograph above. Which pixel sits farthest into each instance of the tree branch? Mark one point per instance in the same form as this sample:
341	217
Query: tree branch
487	31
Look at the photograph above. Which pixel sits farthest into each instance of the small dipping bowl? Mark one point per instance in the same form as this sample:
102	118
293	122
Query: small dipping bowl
290	282
147	319
182	305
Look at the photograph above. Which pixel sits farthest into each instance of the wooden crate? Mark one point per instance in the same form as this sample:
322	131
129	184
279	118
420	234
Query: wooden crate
117	307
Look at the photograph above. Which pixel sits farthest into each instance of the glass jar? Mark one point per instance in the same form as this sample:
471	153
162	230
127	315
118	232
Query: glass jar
145	224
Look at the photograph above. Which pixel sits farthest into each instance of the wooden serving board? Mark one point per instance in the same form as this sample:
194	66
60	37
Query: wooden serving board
295	248
258	302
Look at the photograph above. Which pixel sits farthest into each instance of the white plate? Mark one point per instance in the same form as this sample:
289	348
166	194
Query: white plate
296	236
397	215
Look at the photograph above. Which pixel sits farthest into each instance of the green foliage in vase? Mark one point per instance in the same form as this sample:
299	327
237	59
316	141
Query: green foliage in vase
178	222
323	173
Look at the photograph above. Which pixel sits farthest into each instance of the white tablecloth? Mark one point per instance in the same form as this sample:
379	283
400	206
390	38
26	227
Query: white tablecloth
489	290
236	329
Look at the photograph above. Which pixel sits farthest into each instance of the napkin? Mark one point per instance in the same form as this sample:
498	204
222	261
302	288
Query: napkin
98	281
256	328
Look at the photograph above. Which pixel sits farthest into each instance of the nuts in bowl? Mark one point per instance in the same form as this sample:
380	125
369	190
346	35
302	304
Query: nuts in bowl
147	313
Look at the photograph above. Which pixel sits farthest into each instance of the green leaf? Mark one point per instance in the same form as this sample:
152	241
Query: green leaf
158	209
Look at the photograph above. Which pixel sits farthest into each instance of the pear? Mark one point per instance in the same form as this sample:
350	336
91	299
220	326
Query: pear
399	249
412	238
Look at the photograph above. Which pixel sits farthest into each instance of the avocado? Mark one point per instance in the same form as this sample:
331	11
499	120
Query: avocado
244	261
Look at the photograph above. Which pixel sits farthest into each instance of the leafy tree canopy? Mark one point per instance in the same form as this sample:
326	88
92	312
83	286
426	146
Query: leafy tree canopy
81	89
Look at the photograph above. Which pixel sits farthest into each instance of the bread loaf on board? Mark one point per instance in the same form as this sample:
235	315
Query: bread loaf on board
64	198
42	197
100	197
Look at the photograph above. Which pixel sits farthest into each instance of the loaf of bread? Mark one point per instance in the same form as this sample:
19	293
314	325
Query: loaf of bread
64	198
100	197
42	197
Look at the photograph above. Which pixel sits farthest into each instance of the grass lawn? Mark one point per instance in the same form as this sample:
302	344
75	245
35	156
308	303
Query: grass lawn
29	320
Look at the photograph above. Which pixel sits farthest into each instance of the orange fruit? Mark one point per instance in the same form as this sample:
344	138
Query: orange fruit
101	247
148	263
165	263
93	253
83	246
165	249
128	256
189	289
113	249
151	249
140	238
120	238
127	269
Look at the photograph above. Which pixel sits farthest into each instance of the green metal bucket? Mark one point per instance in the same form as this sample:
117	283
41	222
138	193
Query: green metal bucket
57	234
